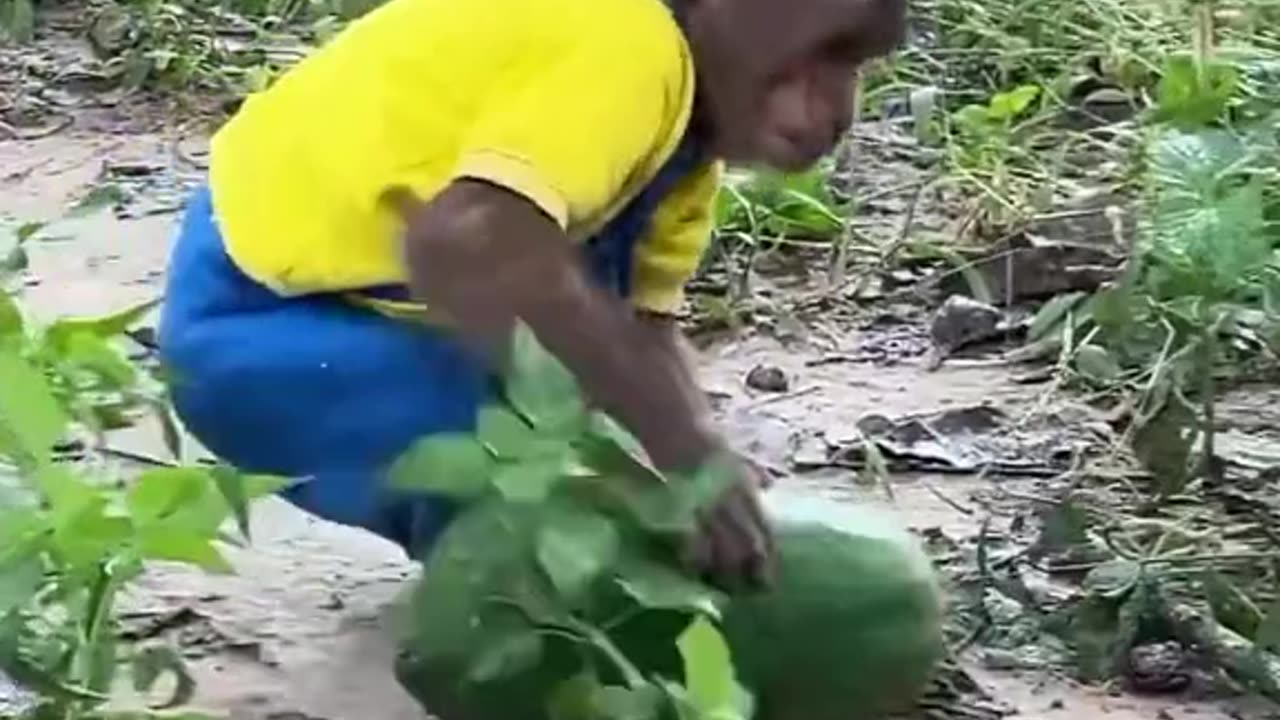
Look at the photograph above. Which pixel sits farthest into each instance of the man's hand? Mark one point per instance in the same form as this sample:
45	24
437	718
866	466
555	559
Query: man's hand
734	548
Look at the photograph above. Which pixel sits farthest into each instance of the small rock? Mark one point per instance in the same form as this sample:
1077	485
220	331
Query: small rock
1159	668
768	378
1057	704
962	320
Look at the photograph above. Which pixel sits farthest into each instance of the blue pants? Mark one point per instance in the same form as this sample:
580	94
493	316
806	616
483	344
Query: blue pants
314	388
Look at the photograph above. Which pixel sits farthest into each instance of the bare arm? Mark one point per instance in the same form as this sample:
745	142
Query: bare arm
487	256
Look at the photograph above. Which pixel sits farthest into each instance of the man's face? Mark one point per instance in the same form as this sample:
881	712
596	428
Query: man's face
776	77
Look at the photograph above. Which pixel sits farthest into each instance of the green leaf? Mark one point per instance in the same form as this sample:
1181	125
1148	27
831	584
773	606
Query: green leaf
532	479
1052	314
456	465
708	671
231	484
1230	606
574	547
1267	638
511	652
1006	106
89	534
573	699
1096	363
1063	526
505	434
155	661
20	578
1113	579
164	542
93	352
1193	93
18	20
159	493
11	322
31	420
104	327
1164	443
659	587
622	703
539	386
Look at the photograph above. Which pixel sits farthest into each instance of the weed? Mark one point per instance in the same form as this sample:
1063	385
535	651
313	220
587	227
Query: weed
73	532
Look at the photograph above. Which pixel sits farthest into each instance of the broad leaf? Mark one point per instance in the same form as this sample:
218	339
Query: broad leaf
1052	314
574	698
1267	638
622	703
31	420
20	578
1230	606
708	672
94	353
106	326
456	465
659	587
1192	93
239	490
509	652
574	546
1113	580
531	479
161	542
539	386
1095	363
157	494
11	322
506	434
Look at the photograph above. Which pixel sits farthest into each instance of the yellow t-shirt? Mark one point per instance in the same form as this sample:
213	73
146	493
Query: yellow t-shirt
574	104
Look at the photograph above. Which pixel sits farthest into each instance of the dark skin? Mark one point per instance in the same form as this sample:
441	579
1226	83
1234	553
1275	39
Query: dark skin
775	88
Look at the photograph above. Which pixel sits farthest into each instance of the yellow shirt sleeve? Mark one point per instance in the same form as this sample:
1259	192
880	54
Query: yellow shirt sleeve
576	134
679	234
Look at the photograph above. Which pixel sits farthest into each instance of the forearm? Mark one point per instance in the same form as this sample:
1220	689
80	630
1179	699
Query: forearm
487	268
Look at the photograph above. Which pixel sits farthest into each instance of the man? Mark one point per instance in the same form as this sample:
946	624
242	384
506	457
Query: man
377	220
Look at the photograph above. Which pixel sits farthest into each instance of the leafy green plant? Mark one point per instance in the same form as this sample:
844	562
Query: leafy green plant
17	20
1202	291
561	509
74	533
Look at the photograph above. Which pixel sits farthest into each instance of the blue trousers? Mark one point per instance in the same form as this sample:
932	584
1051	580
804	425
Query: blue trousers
313	388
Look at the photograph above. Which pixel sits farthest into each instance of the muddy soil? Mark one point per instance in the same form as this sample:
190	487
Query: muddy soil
306	627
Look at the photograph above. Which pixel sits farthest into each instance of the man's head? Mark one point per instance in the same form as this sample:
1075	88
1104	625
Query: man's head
776	77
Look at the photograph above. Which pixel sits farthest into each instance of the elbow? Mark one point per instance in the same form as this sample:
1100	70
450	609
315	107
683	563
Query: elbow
445	248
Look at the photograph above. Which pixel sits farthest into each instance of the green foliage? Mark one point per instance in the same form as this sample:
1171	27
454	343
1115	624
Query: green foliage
768	205
73	535
1201	292
17	20
559	508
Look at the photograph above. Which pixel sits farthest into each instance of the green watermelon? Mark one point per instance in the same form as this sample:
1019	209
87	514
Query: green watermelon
851	630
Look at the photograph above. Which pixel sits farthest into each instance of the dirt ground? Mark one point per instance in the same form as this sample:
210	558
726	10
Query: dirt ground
305	628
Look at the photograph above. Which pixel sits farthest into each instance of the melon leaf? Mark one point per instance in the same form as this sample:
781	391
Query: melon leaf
510	652
504	433
574	546
659	587
710	685
456	464
540	387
